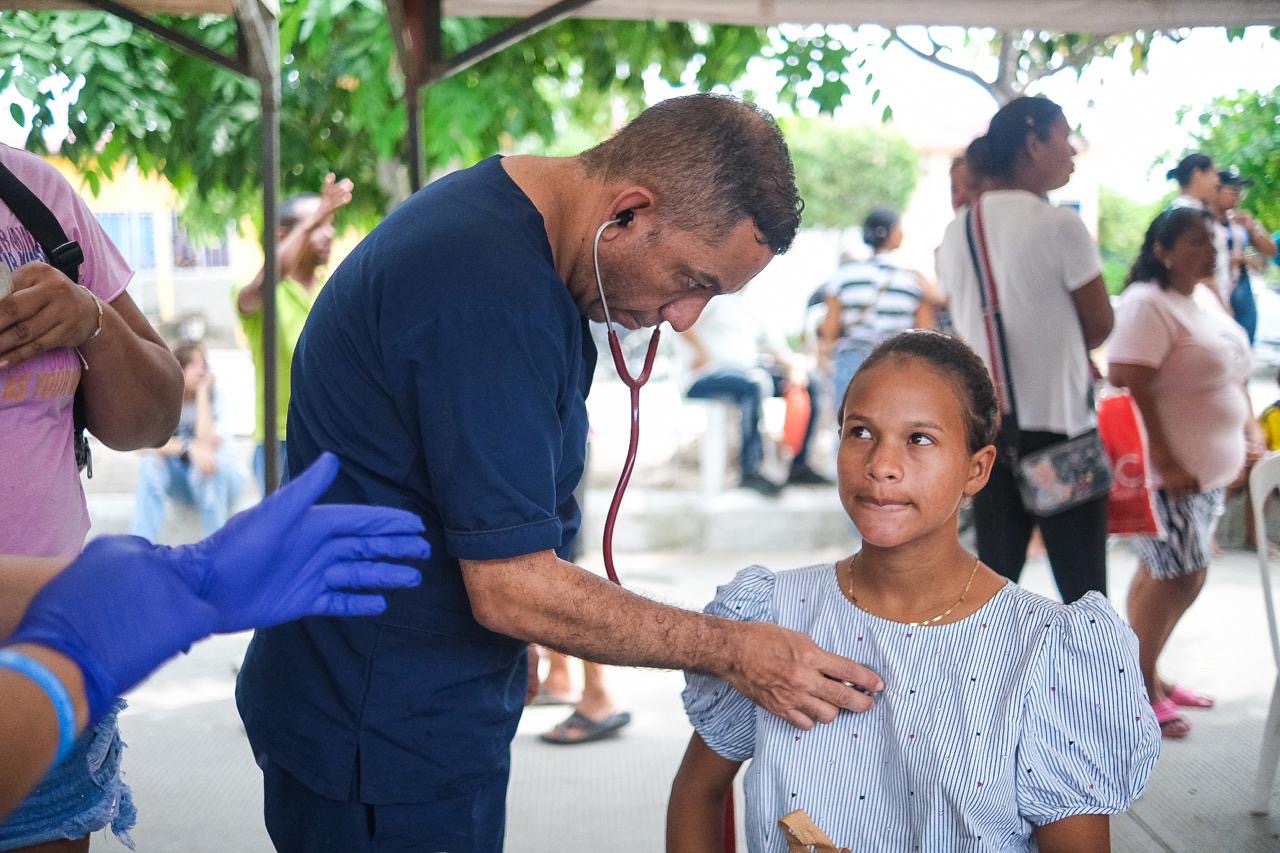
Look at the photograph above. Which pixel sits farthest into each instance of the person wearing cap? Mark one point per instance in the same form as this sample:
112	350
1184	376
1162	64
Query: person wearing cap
1238	231
1198	184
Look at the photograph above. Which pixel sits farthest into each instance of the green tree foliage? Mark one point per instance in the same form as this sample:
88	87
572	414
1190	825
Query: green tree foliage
1242	130
844	172
1122	223
197	125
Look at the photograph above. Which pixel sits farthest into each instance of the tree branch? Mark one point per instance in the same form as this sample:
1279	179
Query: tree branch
1006	88
1077	59
943	64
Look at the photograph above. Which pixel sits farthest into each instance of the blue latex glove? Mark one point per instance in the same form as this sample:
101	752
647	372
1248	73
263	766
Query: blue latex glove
286	559
126	606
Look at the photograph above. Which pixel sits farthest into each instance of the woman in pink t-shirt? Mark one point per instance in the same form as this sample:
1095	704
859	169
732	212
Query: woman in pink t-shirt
57	336
1187	363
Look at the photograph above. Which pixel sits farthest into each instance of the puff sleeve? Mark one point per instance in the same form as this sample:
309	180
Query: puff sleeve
1089	738
725	718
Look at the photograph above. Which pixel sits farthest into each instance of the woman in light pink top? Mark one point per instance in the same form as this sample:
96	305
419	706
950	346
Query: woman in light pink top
1187	363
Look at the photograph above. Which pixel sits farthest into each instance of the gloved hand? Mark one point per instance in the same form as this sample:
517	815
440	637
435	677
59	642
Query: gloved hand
118	611
286	559
126	606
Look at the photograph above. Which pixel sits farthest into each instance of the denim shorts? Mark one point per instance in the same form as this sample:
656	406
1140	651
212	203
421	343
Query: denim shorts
81	795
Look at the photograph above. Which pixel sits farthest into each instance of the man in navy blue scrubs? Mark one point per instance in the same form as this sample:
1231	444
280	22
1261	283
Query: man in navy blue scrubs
447	364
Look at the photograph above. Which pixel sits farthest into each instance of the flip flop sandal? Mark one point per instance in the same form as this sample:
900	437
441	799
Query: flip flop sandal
579	728
1172	725
1189	698
546	698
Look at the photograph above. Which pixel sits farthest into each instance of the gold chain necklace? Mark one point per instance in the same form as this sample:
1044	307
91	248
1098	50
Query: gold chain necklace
943	615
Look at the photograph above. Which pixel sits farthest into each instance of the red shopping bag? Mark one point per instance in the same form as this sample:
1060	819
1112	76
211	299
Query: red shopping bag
1132	510
799	410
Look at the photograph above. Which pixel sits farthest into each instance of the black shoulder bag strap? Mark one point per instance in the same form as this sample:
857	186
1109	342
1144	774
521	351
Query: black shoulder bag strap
67	256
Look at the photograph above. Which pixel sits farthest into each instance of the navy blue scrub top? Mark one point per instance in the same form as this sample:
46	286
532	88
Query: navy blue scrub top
447	367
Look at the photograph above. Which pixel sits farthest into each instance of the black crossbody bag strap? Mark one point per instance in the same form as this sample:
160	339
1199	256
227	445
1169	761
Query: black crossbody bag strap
62	253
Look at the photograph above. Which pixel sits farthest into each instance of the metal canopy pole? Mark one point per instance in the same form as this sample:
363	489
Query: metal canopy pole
415	28
259	57
179	40
482	50
261	27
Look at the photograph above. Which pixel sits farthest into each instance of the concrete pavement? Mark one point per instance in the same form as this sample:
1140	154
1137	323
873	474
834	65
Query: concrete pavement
199	792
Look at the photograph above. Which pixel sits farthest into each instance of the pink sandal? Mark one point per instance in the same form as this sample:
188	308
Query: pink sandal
1189	698
1172	725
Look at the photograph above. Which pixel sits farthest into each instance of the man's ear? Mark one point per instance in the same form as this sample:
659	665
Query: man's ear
639	200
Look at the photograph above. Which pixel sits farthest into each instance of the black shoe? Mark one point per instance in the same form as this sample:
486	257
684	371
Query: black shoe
760	484
803	475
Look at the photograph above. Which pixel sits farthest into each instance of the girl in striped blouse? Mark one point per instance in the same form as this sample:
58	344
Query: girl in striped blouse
1008	720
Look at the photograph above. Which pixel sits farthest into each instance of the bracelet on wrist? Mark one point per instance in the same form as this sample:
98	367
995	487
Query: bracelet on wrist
84	363
55	690
97	302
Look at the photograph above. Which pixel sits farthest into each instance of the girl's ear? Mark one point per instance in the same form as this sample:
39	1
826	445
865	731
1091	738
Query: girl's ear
980	465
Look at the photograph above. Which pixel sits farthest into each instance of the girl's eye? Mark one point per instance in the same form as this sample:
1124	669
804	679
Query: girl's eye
856	431
919	438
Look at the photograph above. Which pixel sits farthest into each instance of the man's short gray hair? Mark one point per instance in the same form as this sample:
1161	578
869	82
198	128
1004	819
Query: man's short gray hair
713	161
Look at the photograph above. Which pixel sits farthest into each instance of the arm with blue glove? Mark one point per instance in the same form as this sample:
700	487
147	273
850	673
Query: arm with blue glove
125	606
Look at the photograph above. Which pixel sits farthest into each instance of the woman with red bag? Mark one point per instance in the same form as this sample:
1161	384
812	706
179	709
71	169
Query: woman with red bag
1186	364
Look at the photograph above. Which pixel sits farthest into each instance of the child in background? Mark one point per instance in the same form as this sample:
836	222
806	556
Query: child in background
1270	420
1007	719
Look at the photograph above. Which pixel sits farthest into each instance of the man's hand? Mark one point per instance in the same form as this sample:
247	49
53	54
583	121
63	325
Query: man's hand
46	310
335	194
285	558
788	675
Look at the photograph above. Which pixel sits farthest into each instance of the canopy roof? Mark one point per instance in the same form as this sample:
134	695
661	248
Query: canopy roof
1097	16
1103	16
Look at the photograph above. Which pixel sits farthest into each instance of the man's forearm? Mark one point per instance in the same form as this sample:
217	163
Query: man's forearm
576	612
288	254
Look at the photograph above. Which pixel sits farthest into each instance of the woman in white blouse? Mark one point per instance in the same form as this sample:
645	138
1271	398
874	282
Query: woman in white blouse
1048	276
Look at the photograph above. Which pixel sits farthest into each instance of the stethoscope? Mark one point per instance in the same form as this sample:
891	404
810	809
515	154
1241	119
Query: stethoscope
634	383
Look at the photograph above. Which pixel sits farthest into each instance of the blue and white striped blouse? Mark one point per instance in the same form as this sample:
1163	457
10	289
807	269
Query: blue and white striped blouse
1025	713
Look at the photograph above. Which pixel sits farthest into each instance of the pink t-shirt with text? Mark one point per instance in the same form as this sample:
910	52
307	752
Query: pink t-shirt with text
42	506
1202	360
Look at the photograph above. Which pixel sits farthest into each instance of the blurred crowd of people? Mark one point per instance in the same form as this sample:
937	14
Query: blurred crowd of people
1017	278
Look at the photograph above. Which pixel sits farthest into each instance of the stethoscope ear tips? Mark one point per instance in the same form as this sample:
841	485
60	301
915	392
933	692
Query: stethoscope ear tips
624	218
